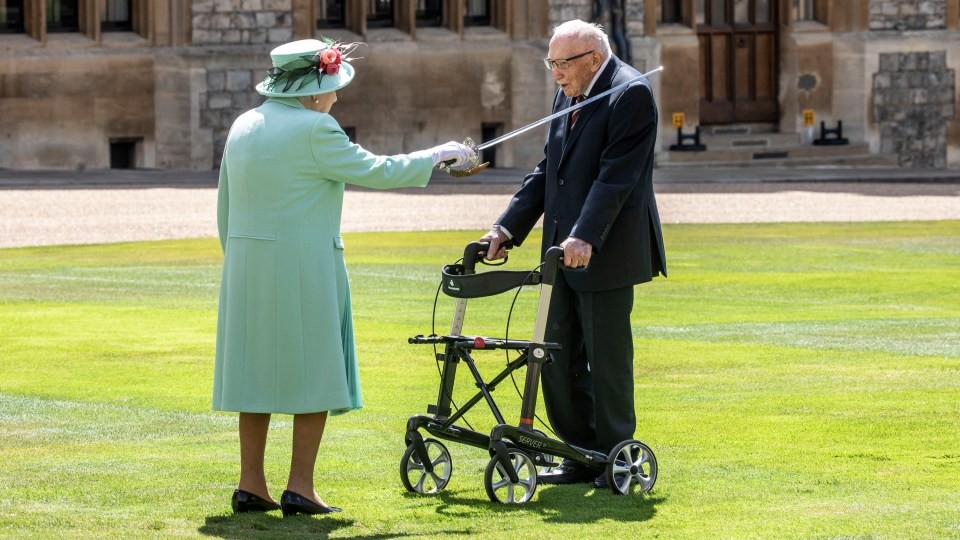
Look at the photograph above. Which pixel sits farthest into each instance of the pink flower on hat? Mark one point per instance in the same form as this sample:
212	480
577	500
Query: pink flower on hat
329	61
330	56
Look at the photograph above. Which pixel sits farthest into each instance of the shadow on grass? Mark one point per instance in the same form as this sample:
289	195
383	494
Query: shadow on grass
273	526
259	525
578	504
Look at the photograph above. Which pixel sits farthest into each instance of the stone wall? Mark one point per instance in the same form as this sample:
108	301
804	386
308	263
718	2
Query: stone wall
565	10
908	14
913	101
230	92
235	22
63	112
634	14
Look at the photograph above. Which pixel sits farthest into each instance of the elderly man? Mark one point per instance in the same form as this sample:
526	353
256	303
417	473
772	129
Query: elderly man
594	188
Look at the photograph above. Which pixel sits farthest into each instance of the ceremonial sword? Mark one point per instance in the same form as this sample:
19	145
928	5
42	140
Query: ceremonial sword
475	168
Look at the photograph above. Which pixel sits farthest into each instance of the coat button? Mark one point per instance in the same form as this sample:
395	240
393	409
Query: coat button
554	218
561	181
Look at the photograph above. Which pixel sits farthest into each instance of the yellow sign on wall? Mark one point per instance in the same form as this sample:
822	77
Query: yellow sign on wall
679	119
808	117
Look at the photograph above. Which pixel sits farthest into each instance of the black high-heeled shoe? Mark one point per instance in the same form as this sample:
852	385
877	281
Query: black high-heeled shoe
292	504
244	501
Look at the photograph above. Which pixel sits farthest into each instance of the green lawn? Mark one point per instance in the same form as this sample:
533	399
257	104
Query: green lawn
794	380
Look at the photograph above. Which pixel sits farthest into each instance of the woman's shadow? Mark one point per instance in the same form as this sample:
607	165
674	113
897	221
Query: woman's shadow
554	504
237	526
269	526
264	525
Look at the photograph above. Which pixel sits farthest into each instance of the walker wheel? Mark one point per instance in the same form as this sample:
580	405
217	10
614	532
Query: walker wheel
415	476
631	462
503	491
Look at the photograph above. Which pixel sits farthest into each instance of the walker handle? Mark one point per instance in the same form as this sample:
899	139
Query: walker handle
552	261
476	251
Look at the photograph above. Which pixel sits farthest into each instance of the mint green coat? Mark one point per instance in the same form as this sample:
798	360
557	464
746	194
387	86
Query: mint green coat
284	330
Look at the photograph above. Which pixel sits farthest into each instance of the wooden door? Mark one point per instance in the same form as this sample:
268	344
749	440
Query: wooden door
738	61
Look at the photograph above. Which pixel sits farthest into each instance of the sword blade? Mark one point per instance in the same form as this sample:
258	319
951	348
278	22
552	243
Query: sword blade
568	110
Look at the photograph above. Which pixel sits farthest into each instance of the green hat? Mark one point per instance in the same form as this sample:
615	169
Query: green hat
301	68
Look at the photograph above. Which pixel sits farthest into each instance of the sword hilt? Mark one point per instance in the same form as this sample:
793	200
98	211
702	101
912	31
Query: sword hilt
472	167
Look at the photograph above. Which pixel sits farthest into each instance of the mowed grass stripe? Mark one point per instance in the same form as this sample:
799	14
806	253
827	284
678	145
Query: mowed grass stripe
794	380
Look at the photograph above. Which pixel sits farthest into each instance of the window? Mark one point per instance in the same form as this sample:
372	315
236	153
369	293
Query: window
762	11
331	14
478	13
718	13
670	11
809	10
751	11
488	132
429	12
123	153
94	19
11	16
711	12
803	10
379	13
62	16
115	16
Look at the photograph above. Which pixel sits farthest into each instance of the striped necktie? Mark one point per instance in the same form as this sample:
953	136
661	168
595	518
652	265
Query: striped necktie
576	114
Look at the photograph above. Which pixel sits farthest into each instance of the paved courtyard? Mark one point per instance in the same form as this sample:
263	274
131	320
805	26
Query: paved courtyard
97	212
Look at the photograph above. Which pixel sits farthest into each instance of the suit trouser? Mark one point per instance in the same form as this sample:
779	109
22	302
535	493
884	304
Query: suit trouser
588	388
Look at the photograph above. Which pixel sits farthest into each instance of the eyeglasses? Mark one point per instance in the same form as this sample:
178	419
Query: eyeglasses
565	63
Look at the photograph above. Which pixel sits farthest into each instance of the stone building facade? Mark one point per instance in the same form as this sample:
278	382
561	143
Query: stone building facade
157	83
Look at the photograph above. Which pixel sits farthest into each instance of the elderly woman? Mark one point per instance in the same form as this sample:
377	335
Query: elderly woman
284	331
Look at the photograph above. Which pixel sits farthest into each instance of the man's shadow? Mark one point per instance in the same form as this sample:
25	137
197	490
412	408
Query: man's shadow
577	503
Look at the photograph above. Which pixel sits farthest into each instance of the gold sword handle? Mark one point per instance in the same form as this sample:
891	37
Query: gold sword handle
471	168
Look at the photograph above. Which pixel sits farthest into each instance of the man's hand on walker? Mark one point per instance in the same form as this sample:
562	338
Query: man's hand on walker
576	252
496	237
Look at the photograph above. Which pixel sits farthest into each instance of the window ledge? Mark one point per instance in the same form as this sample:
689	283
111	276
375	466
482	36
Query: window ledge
380	35
338	34
483	33
433	33
68	40
17	41
674	29
123	39
809	26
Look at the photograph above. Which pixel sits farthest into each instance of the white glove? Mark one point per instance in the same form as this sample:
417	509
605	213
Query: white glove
460	154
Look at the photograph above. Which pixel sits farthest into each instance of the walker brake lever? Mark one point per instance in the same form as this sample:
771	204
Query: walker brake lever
484	246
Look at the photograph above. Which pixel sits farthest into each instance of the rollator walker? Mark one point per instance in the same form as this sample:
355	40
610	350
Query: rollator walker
516	451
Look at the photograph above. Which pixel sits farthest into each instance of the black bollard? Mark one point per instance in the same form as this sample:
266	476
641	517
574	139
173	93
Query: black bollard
832	136
682	146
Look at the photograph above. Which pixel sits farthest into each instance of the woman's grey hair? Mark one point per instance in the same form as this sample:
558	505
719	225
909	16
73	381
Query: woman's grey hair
586	32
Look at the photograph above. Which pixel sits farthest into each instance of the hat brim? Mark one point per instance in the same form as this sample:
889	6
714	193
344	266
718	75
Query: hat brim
328	83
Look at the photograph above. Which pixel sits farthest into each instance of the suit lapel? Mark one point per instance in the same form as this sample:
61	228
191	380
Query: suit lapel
603	84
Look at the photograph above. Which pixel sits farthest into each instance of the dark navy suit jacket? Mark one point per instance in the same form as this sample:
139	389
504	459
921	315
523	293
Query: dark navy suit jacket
595	183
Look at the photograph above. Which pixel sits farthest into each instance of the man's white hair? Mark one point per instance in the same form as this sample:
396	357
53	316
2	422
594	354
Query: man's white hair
589	33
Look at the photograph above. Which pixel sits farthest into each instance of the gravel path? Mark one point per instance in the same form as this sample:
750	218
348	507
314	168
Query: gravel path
32	217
